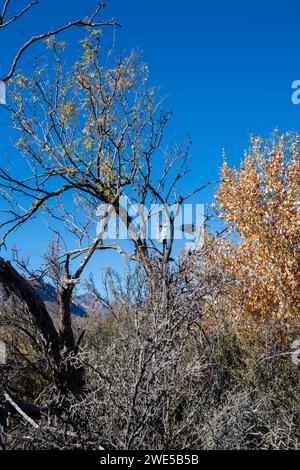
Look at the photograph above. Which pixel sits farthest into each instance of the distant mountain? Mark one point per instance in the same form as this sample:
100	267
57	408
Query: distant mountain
90	303
81	305
48	294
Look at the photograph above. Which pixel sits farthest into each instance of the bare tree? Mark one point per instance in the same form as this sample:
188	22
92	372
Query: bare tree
91	136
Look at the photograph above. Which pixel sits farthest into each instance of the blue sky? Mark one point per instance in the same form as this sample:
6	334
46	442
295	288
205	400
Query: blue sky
226	66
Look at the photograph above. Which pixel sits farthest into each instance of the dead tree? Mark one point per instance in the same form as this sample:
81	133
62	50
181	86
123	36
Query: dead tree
67	378
93	134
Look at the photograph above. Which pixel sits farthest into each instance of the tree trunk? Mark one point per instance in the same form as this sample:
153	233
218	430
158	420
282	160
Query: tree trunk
65	330
75	373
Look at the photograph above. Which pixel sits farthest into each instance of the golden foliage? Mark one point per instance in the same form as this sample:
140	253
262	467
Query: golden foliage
69	111
259	203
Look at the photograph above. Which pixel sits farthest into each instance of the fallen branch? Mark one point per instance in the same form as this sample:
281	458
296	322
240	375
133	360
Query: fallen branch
20	411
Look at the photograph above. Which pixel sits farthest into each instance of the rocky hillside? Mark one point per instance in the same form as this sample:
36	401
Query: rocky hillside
81	305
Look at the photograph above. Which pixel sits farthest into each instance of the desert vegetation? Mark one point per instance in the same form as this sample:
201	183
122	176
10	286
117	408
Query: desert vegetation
193	349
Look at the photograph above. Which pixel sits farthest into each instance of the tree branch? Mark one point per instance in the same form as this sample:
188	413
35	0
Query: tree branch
3	23
78	23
